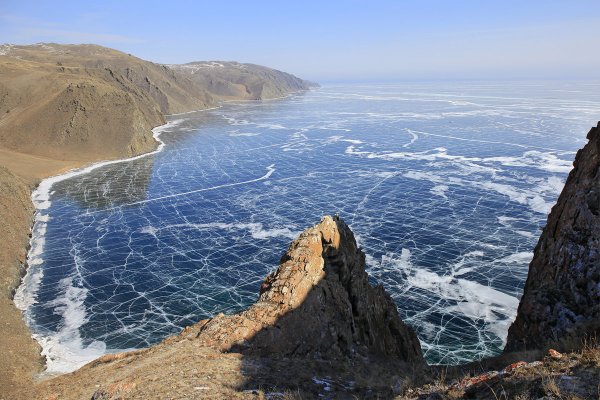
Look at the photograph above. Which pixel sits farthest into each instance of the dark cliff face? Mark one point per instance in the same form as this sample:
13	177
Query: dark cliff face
561	301
317	304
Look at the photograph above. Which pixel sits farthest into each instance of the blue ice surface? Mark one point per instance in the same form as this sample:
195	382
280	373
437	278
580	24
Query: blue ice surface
446	186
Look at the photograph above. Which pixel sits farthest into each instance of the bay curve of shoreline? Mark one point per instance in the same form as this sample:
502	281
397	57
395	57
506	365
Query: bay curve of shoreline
65	357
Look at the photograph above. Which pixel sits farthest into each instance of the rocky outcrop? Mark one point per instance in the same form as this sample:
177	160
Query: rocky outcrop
317	304
317	328
561	300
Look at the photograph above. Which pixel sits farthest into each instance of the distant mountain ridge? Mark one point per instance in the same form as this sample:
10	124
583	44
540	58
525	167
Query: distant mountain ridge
230	79
88	102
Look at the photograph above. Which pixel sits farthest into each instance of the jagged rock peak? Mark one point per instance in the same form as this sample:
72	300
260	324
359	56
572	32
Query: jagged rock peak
319	304
561	300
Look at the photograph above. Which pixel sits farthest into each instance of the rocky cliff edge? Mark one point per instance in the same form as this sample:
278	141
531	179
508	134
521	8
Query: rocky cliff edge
561	301
319	304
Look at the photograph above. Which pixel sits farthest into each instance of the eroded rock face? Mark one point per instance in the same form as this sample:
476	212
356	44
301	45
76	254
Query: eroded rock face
319	304
561	300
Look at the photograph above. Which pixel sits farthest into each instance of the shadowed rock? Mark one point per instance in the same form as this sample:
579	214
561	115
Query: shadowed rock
317	304
561	301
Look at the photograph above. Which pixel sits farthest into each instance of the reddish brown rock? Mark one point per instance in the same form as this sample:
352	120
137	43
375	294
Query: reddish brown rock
554	354
117	390
466	383
514	366
318	304
561	300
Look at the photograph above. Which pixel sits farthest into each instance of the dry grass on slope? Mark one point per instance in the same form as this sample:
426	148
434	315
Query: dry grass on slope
87	103
19	353
572	376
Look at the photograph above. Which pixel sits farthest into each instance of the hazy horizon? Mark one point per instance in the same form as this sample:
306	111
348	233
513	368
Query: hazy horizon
336	41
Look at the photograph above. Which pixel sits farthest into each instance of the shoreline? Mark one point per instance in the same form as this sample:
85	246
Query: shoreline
24	295
187	112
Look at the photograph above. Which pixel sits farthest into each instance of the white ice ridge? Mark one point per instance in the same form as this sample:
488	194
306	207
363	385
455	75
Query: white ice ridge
63	344
193	111
64	350
26	293
539	198
527	146
414	137
236	133
531	197
270	170
471	299
535	159
257	231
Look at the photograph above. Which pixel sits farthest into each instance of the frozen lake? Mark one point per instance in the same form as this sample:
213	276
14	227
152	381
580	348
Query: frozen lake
445	185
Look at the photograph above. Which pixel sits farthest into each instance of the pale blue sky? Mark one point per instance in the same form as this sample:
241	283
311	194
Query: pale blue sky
331	40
